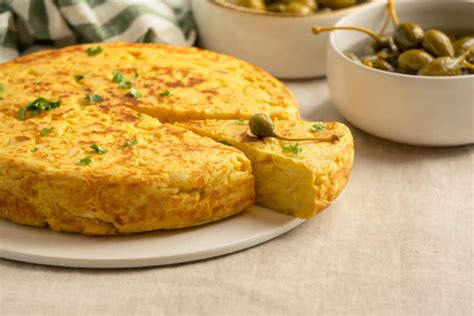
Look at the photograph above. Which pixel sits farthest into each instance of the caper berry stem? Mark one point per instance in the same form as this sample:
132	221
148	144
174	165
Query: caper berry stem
329	139
393	12
468	65
320	29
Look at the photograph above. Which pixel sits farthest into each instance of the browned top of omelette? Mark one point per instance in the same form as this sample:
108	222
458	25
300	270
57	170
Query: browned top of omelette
169	83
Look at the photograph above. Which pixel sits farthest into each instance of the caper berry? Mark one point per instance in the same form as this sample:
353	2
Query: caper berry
408	35
253	4
463	45
312	4
276	7
442	66
298	8
411	61
382	64
438	44
262	126
337	4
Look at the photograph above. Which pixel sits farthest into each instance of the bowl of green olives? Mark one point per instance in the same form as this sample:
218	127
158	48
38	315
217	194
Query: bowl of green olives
272	34
404	71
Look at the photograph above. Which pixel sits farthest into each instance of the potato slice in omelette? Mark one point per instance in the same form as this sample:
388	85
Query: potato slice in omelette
299	178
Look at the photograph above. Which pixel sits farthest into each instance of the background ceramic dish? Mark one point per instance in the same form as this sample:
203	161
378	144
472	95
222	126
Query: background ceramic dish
281	44
431	111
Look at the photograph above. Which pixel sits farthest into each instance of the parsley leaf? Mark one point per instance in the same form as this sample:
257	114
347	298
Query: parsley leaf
317	127
93	51
134	78
45	131
134	93
94	98
239	122
294	149
34	149
36	108
22	113
99	150
84	162
52	105
139	115
2	87
166	93
224	142
129	143
79	77
118	77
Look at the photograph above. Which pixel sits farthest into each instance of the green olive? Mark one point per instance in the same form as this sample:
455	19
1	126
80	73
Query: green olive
463	45
438	44
253	4
411	61
408	35
261	125
298	8
442	66
337	4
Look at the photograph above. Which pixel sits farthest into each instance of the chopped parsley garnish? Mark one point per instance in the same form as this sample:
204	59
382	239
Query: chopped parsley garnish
99	150
118	77
139	115
134	78
36	108
129	143
45	131
166	93
93	51
134	93
2	87
317	127
86	161
239	122
79	77
94	98
34	149
294	149
224	142
22	113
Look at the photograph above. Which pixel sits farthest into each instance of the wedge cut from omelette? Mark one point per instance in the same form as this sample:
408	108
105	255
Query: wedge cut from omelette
299	178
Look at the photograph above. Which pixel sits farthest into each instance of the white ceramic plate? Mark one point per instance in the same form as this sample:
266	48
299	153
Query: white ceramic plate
37	245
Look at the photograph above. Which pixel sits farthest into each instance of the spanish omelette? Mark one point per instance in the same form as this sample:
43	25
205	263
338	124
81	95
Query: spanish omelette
76	156
299	178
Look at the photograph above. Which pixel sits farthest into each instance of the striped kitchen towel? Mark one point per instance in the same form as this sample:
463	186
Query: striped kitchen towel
26	25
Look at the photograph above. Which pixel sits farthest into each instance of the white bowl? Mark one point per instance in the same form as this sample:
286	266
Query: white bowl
281	44
430	111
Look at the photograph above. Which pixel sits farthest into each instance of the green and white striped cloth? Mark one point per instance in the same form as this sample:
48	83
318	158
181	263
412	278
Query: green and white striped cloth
28	25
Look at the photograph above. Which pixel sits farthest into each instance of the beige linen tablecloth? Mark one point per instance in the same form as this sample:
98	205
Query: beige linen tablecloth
398	241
